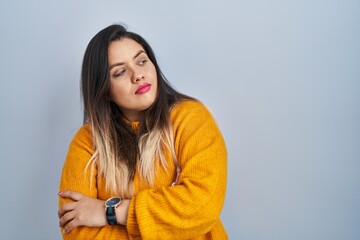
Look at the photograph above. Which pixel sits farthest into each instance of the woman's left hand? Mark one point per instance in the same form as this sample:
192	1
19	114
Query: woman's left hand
82	211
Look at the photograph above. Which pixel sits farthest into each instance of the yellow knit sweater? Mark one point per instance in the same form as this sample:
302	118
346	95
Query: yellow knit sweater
189	210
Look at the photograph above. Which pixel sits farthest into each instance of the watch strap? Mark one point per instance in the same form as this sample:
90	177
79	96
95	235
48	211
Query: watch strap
111	216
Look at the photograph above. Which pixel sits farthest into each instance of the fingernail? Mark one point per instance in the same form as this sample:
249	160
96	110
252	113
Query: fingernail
59	193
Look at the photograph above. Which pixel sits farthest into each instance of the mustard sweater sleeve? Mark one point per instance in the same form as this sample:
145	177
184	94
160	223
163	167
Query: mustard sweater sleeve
75	178
191	208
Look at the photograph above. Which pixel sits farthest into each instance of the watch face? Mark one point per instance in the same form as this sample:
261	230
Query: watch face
113	201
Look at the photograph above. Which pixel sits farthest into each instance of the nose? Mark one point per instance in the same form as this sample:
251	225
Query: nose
137	75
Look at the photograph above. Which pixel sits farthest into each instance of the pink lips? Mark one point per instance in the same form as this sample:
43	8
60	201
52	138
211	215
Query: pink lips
143	88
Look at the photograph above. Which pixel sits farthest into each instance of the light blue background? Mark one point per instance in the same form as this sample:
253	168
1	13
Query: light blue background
281	77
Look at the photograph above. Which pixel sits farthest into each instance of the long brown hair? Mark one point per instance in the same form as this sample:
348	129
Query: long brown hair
115	143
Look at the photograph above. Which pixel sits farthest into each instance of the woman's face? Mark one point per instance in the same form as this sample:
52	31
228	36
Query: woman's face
133	78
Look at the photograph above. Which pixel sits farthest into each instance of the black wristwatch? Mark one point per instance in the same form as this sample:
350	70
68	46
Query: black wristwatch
111	205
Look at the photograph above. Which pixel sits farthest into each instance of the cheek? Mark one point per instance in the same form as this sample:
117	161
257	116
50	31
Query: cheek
154	73
151	71
117	90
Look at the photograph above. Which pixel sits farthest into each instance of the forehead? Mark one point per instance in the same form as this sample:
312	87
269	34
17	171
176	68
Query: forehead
123	50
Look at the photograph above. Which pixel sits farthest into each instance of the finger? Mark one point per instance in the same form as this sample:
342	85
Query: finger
76	196
66	218
66	207
70	226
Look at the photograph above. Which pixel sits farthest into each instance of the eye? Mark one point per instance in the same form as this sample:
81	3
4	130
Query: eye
119	73
142	62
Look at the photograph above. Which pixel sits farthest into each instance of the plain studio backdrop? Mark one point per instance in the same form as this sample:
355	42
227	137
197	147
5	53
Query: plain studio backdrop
282	79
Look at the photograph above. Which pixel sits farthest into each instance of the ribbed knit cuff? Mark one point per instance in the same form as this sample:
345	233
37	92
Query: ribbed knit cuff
132	225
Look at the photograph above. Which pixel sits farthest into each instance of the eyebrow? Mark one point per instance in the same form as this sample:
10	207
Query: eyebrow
121	63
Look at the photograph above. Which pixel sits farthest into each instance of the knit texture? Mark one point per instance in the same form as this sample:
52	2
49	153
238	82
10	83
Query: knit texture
188	210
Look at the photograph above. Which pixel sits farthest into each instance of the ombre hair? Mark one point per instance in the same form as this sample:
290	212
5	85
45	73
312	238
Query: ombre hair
116	145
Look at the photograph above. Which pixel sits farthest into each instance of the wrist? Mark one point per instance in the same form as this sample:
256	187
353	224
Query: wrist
122	211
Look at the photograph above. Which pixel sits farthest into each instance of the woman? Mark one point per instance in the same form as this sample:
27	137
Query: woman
149	162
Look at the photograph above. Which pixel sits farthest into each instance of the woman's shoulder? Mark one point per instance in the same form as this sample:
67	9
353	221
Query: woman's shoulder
188	106
191	111
84	131
83	136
